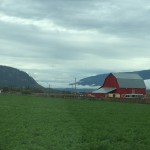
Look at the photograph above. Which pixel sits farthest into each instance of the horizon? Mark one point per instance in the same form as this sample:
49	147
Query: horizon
79	86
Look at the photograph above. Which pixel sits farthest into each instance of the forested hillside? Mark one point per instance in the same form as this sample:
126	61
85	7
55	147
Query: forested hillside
11	77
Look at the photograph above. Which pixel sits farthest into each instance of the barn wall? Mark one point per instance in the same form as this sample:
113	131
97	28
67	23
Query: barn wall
111	81
98	95
130	91
124	91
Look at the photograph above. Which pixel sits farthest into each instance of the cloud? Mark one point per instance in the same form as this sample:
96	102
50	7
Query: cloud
60	40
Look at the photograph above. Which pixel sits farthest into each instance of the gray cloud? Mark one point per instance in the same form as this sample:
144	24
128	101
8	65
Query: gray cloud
62	39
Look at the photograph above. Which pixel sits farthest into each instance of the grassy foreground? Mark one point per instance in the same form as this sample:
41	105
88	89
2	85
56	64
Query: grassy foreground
35	123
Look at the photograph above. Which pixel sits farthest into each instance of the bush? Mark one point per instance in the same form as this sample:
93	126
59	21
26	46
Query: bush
26	92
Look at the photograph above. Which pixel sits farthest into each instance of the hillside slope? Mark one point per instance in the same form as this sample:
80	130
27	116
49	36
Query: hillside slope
11	77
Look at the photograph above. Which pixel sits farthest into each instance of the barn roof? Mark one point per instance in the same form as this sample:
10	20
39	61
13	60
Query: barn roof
104	90
127	75
129	80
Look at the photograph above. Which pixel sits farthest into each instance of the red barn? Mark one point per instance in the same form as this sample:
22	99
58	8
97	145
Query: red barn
122	85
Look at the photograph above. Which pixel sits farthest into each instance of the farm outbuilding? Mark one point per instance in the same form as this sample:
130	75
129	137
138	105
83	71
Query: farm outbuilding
122	85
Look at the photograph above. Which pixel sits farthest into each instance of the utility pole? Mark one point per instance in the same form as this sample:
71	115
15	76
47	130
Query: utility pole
75	86
49	89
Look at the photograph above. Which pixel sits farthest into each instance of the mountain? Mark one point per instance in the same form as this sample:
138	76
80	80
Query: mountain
99	79
11	77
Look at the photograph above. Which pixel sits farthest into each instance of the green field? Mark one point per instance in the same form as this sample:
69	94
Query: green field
42	123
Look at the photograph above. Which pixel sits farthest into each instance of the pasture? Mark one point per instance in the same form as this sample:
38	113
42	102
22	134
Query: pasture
43	123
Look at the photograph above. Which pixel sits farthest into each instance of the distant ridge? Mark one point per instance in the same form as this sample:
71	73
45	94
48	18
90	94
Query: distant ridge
98	80
12	77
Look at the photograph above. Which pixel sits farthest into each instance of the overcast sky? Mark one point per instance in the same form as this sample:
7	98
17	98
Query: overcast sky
57	40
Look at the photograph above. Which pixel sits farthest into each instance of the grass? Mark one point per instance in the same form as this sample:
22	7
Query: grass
36	123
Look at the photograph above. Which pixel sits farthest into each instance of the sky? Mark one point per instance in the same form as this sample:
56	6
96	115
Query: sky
58	41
